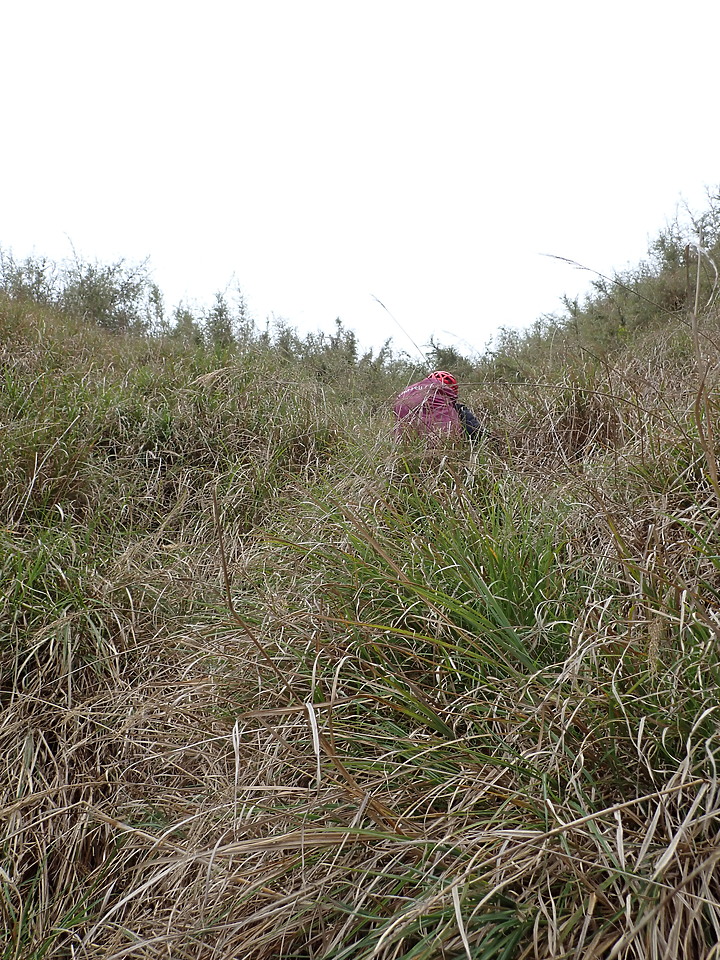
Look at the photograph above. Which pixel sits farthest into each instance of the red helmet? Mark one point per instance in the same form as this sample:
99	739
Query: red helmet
447	378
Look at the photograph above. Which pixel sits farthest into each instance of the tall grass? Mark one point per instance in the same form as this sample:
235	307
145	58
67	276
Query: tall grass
275	687
503	700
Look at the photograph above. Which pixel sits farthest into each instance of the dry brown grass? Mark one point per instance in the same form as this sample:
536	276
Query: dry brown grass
419	709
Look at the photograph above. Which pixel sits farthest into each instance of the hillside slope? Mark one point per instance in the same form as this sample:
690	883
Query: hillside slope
273	687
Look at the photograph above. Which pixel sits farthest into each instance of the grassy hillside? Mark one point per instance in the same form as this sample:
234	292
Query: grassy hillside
273	687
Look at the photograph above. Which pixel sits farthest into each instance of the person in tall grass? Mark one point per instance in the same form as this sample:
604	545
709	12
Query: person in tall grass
431	407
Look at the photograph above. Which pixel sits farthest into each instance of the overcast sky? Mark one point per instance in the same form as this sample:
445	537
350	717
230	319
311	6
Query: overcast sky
319	153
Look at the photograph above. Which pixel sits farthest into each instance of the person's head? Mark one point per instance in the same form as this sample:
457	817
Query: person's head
442	376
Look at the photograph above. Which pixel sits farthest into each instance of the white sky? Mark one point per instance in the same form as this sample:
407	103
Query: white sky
321	152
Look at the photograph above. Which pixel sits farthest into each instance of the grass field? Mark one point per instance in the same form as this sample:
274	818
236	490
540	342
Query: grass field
273	686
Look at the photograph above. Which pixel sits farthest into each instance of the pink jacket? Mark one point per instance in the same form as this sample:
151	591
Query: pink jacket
427	407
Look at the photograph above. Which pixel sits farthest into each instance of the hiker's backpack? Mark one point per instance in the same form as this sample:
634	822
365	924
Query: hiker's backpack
427	408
